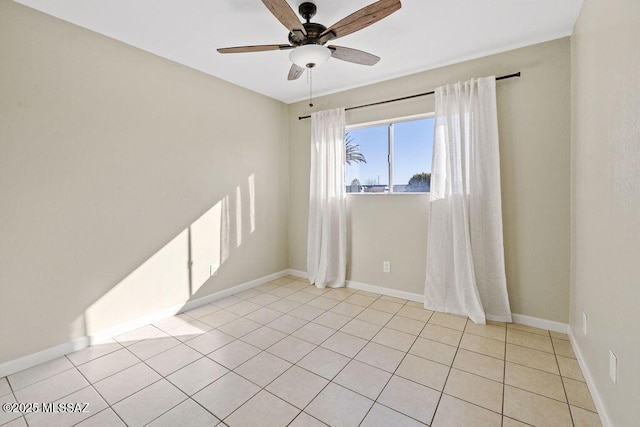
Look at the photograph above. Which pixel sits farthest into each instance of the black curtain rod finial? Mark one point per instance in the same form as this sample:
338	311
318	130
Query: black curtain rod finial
508	76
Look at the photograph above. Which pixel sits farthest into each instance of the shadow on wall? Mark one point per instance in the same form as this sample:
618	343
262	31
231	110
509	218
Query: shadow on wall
175	273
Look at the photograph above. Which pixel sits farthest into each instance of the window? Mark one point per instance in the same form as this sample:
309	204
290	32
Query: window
390	157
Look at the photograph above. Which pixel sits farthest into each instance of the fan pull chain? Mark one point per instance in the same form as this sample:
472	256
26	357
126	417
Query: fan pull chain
310	78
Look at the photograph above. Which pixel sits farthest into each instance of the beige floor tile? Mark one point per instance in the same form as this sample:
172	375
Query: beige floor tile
323	303
569	368
361	300
52	388
394	339
323	362
423	371
282	292
535	381
380	356
264	409
149	403
361	329
189	330
107	365
266	287
211	341
415	312
487	331
172	322
227	302
291	349
532	358
125	383
5	416
363	379
486	346
218	318
301	297
332	320
344	344
196	376
39	372
263	368
393	299
563	348
4	386
147	348
306	420
174	359
584	418
338	294
528	339
315	291
433	350
245	307
287	324
347	309
479	364
559	335
578	394
297	386
201	311
534	409
381	416
530	329
239	327
235	354
338	406
405	324
418	304
441	334
186	414
314	333
226	395
263	338
284	305
104	418
143	333
248	294
93	352
283	280
448	320
264	315
454	412
510	422
474	389
367	293
306	312
410	398
377	317
386	306
263	300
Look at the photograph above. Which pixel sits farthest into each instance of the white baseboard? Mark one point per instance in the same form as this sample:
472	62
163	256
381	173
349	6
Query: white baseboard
385	291
597	400
51	353
297	273
537	322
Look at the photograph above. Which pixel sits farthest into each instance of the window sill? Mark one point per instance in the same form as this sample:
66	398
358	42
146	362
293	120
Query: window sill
388	194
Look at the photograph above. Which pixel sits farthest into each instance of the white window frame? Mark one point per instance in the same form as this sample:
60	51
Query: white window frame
389	123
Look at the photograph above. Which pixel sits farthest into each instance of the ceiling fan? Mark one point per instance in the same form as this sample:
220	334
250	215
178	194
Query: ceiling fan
307	39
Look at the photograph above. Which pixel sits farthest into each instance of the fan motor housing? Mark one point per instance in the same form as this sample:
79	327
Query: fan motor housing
314	30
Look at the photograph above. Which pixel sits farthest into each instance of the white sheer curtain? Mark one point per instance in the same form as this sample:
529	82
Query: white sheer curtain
465	256
327	233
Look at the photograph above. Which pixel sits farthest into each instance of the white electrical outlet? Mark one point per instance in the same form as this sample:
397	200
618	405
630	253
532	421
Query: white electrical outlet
386	267
613	367
584	323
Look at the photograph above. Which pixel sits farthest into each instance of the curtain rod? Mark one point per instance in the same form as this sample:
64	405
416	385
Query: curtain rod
508	76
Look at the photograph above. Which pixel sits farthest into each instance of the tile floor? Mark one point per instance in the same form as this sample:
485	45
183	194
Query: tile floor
286	353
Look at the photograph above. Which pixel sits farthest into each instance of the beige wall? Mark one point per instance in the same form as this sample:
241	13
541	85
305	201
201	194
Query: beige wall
534	116
606	199
109	158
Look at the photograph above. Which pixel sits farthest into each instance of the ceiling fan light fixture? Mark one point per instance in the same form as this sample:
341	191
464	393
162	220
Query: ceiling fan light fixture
309	55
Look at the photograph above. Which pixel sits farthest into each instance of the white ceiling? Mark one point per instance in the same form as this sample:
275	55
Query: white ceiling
423	34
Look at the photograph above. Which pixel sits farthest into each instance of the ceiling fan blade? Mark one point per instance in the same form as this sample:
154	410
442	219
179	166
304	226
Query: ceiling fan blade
295	72
256	48
362	18
283	13
353	55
